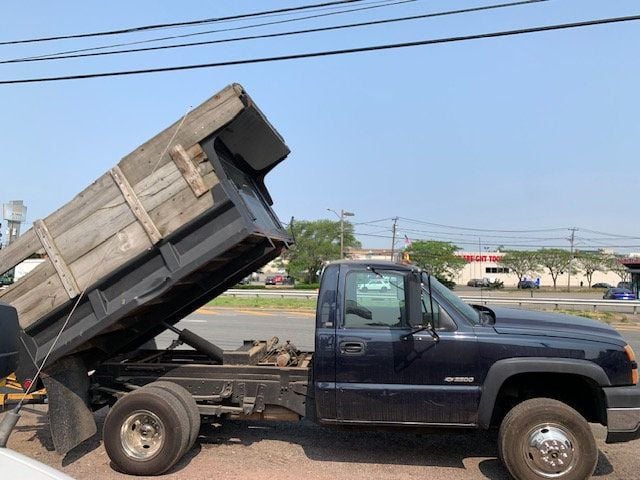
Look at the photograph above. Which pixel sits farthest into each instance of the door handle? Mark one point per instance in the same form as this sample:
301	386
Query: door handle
352	348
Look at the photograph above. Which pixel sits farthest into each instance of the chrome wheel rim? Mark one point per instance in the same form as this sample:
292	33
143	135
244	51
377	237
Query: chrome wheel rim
142	435
549	450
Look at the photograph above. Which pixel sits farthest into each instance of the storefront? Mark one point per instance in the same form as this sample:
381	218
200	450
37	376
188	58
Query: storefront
633	265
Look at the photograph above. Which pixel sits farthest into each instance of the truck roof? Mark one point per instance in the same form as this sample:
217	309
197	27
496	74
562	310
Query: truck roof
387	264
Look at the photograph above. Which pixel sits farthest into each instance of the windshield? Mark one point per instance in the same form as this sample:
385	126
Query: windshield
465	310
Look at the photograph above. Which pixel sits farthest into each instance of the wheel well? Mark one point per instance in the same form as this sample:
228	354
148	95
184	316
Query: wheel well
581	393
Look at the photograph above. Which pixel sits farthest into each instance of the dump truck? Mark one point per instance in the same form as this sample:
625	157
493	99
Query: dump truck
411	356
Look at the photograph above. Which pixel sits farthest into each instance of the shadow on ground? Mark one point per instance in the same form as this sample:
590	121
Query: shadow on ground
323	444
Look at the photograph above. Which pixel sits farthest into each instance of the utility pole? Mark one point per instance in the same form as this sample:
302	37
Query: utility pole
571	241
343	213
393	237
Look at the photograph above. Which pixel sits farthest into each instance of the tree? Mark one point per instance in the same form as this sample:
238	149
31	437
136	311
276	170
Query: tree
556	260
521	262
316	242
437	258
591	262
619	268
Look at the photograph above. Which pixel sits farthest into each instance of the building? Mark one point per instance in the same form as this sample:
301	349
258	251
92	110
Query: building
487	265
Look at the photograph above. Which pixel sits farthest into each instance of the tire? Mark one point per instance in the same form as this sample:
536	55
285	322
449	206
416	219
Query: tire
165	421
189	404
543	438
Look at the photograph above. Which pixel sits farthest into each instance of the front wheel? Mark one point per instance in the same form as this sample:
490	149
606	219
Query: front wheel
543	438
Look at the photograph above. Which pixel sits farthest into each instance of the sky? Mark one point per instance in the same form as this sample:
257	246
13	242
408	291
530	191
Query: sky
522	137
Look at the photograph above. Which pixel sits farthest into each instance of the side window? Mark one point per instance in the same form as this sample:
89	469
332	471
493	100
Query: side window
326	313
374	301
441	319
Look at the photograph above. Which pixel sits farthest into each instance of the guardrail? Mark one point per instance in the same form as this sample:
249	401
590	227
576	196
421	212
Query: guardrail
271	293
593	304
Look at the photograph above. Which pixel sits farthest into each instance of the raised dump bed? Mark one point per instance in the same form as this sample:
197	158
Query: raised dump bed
178	221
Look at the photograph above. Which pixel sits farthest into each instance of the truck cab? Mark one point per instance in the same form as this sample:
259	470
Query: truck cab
417	355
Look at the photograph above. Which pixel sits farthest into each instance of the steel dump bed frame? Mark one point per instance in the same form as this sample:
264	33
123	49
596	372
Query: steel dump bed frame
176	223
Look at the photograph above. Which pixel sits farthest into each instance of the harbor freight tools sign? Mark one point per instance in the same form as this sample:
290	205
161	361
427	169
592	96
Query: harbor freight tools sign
482	258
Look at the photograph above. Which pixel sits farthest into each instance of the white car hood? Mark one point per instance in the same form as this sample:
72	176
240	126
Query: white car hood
16	466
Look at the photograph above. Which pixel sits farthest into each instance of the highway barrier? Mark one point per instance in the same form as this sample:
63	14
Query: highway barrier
630	306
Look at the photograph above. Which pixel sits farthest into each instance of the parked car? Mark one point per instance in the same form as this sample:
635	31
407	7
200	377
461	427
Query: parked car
478	282
619	294
527	284
376	285
270	280
626	285
601	285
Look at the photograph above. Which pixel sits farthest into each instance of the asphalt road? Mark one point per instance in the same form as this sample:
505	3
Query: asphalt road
238	450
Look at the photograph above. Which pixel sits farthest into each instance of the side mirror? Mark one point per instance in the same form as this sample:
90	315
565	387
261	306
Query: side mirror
414	300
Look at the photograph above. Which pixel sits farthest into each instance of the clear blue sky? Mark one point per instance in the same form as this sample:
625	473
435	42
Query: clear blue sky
528	132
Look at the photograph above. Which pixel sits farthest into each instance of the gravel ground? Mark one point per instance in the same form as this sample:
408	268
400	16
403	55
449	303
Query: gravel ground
238	450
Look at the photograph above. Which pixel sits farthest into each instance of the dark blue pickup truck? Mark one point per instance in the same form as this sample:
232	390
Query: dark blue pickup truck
410	355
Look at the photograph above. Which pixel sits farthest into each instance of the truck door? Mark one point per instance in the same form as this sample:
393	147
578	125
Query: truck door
386	374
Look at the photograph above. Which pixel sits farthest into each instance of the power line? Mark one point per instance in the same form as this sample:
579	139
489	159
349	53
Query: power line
373	5
610	234
475	243
275	35
372	222
326	53
483	235
482	229
174	24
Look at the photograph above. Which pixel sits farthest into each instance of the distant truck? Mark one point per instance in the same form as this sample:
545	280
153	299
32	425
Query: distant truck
412	356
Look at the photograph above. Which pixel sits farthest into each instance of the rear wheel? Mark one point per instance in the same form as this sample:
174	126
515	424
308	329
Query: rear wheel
543	438
189	404
146	431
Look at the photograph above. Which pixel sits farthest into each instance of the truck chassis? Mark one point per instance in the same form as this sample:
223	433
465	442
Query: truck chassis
249	383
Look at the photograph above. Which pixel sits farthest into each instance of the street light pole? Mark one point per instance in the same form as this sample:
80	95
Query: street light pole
343	213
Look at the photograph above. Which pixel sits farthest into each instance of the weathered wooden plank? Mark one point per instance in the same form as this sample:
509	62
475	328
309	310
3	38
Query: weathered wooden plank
95	229
196	153
20	249
108	256
24	286
99	194
188	170
58	261
199	123
37	294
183	207
164	184
136	206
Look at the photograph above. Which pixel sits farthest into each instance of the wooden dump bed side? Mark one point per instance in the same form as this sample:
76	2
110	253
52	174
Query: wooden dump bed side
165	187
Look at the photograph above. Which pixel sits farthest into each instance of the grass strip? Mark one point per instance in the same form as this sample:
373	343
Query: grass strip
264	302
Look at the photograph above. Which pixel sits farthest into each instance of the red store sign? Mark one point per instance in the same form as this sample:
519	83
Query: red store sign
482	258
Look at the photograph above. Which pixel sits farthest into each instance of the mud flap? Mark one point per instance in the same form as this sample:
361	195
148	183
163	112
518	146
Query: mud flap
70	419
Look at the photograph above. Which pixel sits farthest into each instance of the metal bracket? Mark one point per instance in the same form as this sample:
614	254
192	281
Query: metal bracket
135	205
251	404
